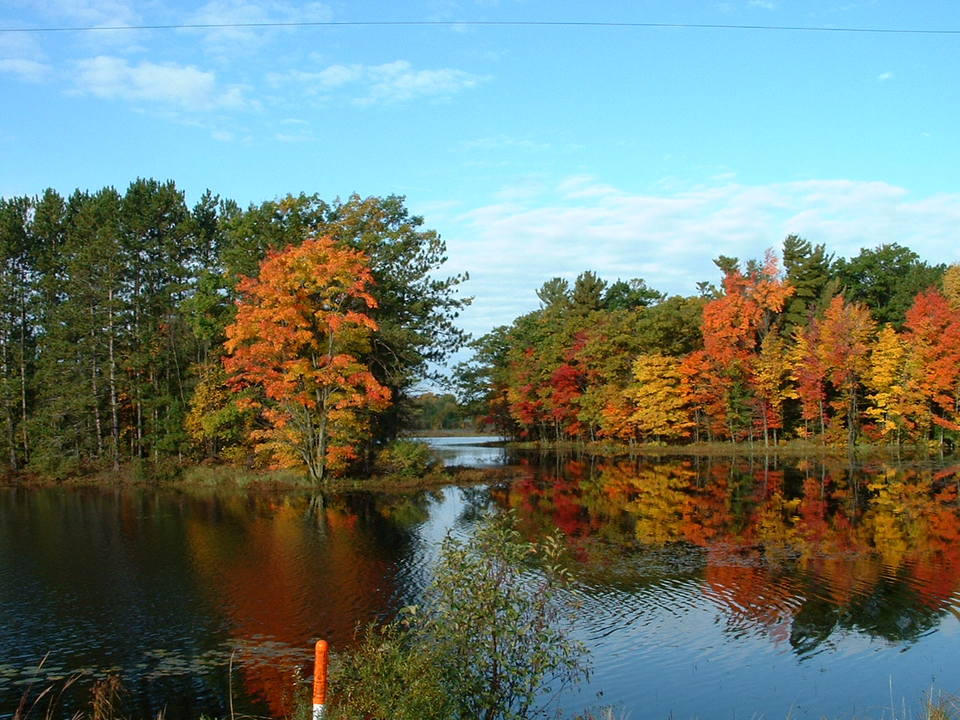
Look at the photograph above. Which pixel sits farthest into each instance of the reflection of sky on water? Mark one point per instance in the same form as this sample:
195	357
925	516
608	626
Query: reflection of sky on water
468	451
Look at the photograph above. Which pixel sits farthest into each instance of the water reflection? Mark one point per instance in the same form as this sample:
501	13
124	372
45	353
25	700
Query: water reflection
170	589
708	587
796	552
469	451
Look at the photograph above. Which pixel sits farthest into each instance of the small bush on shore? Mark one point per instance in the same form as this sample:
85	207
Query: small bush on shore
489	640
405	458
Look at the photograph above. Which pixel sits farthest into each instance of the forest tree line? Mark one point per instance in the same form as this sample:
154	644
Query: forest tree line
115	310
829	349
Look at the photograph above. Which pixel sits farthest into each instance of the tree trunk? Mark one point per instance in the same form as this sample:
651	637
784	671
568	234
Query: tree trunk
112	379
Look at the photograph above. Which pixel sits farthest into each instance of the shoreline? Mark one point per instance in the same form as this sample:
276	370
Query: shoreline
793	448
212	475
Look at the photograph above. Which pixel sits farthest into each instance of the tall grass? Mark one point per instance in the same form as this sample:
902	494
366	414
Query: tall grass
105	700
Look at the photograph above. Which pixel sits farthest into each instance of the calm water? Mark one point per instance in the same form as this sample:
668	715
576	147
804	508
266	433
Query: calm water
709	588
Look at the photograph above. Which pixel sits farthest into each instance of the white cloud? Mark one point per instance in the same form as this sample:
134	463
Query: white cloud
179	86
20	45
88	12
29	70
397	81
883	77
92	13
230	40
670	239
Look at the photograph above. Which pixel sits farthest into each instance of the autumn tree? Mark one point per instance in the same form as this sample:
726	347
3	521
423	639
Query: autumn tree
770	380
734	326
300	329
416	305
933	344
886	384
809	375
218	420
845	335
658	407
951	285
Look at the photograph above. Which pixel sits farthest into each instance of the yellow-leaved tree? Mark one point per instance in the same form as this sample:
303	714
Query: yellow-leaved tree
771	380
659	409
885	383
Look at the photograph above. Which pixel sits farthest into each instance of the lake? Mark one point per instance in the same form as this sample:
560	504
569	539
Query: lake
708	587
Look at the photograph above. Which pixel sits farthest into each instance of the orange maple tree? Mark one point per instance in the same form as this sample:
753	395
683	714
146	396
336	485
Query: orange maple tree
734	326
933	342
300	329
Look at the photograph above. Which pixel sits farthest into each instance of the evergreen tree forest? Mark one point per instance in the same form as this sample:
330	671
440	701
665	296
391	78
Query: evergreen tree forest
136	331
829	350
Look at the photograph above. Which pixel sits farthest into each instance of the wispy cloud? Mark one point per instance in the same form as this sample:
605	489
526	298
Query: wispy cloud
174	86
230	40
29	70
87	12
393	82
883	77
93	13
670	239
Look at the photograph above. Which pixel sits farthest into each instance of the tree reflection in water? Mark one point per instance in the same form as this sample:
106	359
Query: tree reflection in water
797	551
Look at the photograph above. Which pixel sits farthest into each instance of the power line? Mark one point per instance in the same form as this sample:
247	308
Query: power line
481	23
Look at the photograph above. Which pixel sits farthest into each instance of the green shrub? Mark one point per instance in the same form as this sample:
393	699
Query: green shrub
405	458
489	640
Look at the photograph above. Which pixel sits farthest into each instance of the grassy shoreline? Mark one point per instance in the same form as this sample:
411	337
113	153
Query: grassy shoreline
226	477
792	448
208	474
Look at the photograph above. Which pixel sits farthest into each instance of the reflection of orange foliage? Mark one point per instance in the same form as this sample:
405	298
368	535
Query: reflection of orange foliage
707	515
939	571
742	586
275	594
340	520
558	498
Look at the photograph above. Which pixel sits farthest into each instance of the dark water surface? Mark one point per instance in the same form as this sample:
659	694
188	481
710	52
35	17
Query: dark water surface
710	588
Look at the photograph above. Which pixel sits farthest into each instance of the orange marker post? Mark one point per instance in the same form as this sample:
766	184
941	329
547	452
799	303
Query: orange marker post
320	680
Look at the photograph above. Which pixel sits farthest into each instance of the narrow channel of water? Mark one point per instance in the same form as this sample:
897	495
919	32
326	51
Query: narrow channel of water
712	588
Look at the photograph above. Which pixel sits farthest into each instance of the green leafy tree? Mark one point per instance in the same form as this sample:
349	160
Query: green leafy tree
481	382
886	279
80	377
554	294
588	293
630	295
673	326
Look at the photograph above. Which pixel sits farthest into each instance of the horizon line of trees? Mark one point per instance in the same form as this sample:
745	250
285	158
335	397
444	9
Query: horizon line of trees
114	310
828	349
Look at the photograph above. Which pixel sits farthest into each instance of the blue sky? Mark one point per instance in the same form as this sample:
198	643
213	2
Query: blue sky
535	151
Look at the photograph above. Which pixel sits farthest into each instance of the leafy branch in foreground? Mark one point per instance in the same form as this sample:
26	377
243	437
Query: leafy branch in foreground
490	640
